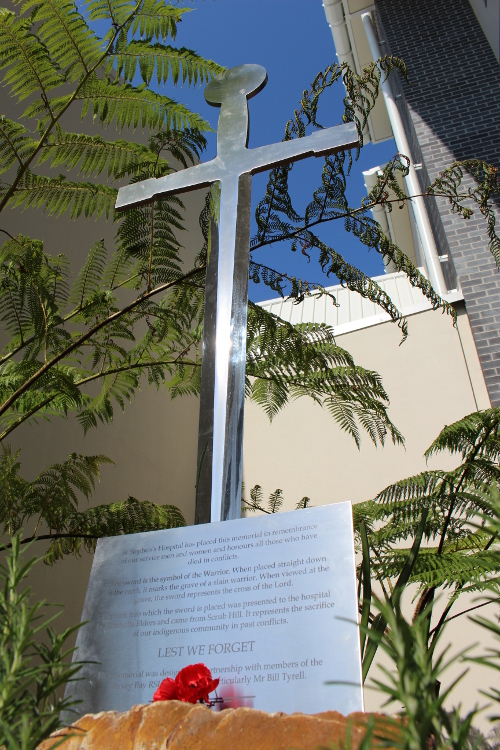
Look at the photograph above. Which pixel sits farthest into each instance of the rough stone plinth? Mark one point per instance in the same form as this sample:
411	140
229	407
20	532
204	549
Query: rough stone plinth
171	725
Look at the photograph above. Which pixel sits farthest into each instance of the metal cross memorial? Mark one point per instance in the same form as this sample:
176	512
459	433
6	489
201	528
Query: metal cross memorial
220	438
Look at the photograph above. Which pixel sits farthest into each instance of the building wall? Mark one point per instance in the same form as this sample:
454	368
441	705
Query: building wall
303	451
453	104
488	15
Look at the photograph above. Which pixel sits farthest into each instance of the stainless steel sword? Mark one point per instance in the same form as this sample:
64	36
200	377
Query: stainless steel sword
220	438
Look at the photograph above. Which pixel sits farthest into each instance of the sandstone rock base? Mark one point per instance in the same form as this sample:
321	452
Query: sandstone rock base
171	725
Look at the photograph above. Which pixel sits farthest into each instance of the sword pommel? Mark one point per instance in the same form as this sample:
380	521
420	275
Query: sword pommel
244	80
230	91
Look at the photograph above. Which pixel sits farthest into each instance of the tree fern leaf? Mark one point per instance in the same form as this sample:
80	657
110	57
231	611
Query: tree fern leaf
275	501
120	268
463	435
69	40
12	489
256	494
89	278
58	195
34	287
92	155
131	107
343	413
156	19
15	144
54	493
118	12
418	486
456	569
118	387
180	64
305	502
184	146
129	517
29	67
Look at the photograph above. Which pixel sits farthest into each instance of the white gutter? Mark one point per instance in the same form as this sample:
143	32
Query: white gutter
379	212
431	255
334	13
335	17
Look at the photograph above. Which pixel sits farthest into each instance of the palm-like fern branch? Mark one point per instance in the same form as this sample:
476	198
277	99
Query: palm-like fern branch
52	499
51	44
457	553
274	502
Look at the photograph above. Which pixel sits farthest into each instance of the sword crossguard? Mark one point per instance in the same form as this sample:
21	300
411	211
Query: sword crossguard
230	91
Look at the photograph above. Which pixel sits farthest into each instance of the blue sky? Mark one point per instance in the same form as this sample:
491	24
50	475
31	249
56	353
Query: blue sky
293	45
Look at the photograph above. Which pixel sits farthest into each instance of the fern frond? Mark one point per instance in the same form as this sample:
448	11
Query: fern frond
58	195
147	233
275	501
305	502
185	146
287	361
484	193
122	270
156	19
15	144
69	40
456	569
180	64
132	106
477	431
256	499
118	387
92	155
277	220
343	413
53	495
129	517
12	490
118	12
29	67
419	486
89	279
34	286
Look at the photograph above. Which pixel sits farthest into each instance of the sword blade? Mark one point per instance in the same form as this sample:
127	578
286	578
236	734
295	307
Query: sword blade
220	444
230	347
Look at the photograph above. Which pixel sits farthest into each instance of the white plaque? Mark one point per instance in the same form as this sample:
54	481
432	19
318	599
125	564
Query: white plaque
268	603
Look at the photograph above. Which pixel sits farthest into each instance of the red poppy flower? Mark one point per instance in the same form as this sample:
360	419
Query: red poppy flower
194	683
167	691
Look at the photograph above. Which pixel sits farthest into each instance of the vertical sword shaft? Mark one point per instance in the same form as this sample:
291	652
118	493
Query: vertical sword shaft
223	354
206	422
220	444
233	444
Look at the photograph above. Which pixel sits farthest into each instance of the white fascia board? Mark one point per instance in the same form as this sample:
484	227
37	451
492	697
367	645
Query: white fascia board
406	312
382	317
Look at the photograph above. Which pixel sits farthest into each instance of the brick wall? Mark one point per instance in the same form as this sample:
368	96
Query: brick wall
452	109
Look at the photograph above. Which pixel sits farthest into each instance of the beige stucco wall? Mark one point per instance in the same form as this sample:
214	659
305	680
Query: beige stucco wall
304	453
433	379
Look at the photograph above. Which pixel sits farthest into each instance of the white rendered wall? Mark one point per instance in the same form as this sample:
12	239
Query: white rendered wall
488	14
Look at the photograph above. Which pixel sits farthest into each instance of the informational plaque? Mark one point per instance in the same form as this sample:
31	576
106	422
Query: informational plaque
267	603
